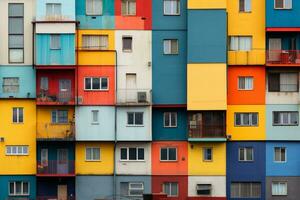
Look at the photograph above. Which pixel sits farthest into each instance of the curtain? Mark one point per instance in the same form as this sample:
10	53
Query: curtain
245	43
279	189
94	7
171	7
234	43
289	82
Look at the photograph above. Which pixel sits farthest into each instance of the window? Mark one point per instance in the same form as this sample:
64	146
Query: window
16	150
95	116
127	43
207	154
246	154
171	7
135	189
168	154
53	9
240	43
203	189
245	190
44	83
132	154
245	6
128	7
11	85
283	82
92	154
18	115
246	119
245	83
18	188
94	7
283	4
16	33
171	189
135	118
289	118
170	119
99	42
54	41
279	188
59	116
96	83
171	46
280	154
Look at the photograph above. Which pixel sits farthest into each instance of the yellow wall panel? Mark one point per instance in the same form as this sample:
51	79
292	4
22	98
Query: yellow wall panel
197	166
246	133
96	57
206	87
247	24
103	167
18	134
206	4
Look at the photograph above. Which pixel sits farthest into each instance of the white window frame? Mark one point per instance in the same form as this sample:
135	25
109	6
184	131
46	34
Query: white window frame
285	152
168	159
127	156
127	10
284	5
134	116
171	14
204	153
93	13
245	7
281	121
170	186
92	151
24	150
170	47
245	154
242	119
139	189
245	79
22	188
52	9
18	115
100	83
280	183
93	112
11	85
169	115
57	37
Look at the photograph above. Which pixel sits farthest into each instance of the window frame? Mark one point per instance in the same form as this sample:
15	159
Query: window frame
127	50
127	13
169	14
92	154
170	119
279	182
22	188
134	119
245	77
4	84
91	14
251	189
238	44
18	109
52	9
244	9
22	153
59	42
285	152
279	74
177	46
57	118
168	152
245	154
100	83
127	154
283	8
210	189
95	122
289	118
204	149
250	114
170	189
95	48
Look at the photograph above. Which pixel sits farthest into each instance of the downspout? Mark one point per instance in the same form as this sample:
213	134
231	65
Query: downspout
115	141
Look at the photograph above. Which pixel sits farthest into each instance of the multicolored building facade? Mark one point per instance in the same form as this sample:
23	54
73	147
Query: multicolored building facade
149	99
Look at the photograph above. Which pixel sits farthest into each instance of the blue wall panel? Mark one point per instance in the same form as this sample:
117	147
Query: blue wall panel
63	56
104	21
167	22
246	171
288	168
27	84
207	36
159	132
4	182
168	71
282	17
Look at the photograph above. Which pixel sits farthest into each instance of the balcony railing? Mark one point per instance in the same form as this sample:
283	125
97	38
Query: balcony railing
61	97
134	97
56	18
53	198
207	131
53	131
56	168
286	57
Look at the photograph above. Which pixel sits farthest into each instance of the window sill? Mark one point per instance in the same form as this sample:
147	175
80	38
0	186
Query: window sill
134	125
92	160
127	51
170	126
16	155
280	162
175	15
285	124
170	54
94	15
124	161
95	123
18	123
245	126
16	195
245	89
246	161
96	90
55	49
168	161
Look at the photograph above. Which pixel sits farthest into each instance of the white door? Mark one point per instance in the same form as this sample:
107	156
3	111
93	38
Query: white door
64	90
131	91
62	161
274	49
62	192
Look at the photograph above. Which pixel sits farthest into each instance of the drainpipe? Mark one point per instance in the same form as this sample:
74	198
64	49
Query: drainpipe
116	135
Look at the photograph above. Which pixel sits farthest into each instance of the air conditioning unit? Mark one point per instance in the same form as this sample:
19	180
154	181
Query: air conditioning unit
79	100
142	97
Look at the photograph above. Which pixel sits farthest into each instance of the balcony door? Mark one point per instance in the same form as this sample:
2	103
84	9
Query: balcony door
274	49
64	90
131	91
62	192
62	161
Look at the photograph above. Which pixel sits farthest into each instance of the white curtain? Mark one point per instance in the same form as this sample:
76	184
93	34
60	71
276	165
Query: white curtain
171	7
234	43
245	43
288	82
94	7
279	189
167	46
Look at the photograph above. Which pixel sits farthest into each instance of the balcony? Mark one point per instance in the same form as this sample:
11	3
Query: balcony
253	57
56	132
55	168
59	98
134	97
283	58
207	132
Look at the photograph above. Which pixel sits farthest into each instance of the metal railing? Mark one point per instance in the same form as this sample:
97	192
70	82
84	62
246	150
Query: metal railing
283	57
134	96
56	167
53	198
53	131
61	97
207	131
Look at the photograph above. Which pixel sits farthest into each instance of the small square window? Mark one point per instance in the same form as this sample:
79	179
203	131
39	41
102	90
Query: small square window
171	7
245	83
95	116
168	154
94	7
279	189
170	119
92	154
171	46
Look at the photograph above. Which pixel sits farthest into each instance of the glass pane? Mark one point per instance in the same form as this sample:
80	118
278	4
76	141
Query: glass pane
132	7
25	188
96	153
163	154
172	154
97	7
238	119
282	155
104	83
88	83
242	154
19	150
127	43
15	9
140	154
54	116
62	116
174	46
174	189
245	190
294	118
256	190
15	115
55	42
249	154
88	154
166	119
16	26
18	187
44	83
124	188
123	154
130	118
167	189
16	41
11	188
234	190
25	149
173	119
132	154
276	118
21	115
245	119
167	46
139	118
208	154
277	154
254	119
16	55
95	115
242	83
96	83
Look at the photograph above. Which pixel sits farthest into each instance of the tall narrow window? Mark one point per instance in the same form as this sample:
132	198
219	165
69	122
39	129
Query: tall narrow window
44	83
99	42
127	43
11	85
170	119
54	41
171	189
245	83
246	154
18	115
171	7
280	154
95	116
245	6
207	154
16	33
240	43
94	7
128	7
171	46
283	4
53	10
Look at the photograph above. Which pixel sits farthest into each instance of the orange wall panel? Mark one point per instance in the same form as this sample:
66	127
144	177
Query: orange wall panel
246	97
97	97
179	167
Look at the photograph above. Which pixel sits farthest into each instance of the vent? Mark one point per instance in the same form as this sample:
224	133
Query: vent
142	97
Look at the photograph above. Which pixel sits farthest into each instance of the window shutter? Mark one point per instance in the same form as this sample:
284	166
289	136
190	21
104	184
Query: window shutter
274	82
